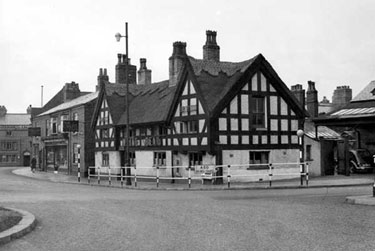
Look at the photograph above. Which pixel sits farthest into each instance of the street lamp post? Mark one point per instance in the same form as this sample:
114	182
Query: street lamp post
127	163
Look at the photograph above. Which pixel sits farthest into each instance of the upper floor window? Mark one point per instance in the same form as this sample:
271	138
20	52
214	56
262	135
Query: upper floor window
258	112
9	133
53	125
75	116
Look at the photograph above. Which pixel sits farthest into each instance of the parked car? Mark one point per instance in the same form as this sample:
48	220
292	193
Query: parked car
361	160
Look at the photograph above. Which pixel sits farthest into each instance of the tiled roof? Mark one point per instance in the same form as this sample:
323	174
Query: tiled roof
72	103
15	119
214	68
367	93
217	78
148	103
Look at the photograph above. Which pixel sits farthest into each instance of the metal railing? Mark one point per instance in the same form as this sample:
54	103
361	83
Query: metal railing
208	173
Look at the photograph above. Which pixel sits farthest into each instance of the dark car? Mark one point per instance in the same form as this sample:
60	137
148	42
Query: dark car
361	160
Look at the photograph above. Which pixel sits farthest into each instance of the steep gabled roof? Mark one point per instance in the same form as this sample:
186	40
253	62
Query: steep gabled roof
217	78
147	103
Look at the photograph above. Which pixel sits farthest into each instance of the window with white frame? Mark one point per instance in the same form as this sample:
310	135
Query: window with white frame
160	159
105	159
258	112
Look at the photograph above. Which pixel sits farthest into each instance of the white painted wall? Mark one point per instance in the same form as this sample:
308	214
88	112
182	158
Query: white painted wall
285	161
314	163
114	162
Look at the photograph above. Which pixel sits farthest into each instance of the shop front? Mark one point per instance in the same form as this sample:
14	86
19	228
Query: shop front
56	153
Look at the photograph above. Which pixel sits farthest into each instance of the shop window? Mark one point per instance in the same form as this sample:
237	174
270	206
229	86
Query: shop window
258	160
105	159
160	158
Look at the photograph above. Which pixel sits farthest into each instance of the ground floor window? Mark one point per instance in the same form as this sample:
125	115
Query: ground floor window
9	158
195	158
259	160
105	159
160	158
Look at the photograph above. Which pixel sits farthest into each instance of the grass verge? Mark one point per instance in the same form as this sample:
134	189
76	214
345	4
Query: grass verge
8	218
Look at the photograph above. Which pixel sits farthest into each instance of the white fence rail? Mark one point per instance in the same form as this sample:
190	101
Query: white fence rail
206	173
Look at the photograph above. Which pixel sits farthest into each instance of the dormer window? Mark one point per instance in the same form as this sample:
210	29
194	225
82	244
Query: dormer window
373	92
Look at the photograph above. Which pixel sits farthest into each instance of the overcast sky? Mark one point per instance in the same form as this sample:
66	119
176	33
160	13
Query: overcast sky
50	43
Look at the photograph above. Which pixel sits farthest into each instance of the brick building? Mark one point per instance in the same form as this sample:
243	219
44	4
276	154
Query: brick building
57	147
15	147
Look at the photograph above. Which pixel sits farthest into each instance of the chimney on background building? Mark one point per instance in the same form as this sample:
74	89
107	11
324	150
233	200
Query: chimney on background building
299	93
71	91
29	109
176	62
120	70
102	78
3	110
341	96
312	99
144	74
211	51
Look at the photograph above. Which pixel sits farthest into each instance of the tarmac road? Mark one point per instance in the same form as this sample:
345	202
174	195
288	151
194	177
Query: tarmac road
80	217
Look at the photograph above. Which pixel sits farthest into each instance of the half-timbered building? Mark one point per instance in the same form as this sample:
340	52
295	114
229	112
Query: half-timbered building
207	113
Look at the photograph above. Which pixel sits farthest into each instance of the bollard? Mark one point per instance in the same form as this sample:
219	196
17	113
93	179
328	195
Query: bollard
88	175
135	176
270	173
121	176
189	178
307	174
157	176
98	175
79	163
228	176
109	176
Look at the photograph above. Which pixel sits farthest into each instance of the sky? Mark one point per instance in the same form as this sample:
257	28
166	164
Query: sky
49	43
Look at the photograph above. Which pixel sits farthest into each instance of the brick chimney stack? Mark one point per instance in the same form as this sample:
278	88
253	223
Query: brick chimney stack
71	91
299	93
144	74
120	70
176	62
312	100
341	96
102	78
211	51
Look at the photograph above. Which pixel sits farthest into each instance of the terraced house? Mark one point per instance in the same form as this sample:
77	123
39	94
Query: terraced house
207	113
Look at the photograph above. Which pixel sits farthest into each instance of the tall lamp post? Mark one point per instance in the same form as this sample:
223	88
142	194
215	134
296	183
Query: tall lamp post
127	163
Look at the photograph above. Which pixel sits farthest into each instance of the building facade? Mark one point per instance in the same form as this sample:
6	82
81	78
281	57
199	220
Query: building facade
15	145
58	145
208	113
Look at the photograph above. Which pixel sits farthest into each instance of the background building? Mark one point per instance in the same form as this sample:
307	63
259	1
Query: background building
15	145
